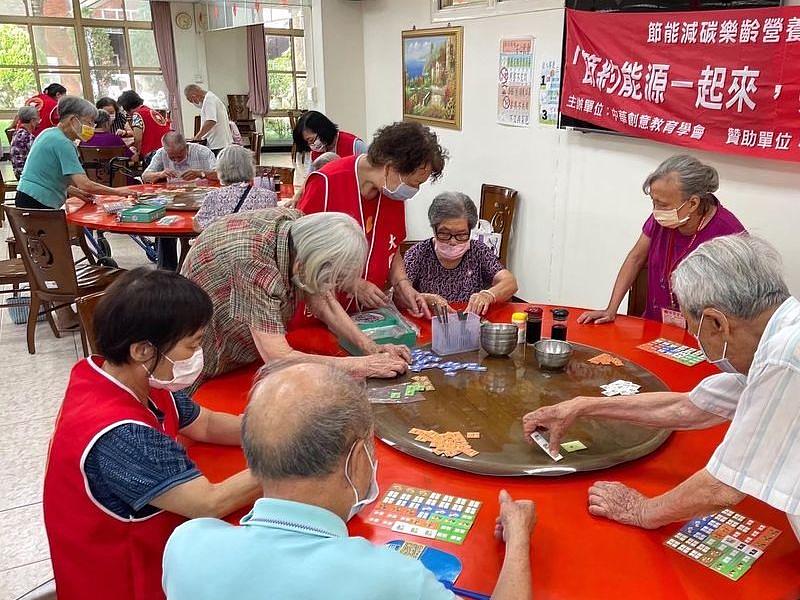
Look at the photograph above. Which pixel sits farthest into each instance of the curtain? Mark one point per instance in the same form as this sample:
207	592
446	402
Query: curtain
165	46
258	101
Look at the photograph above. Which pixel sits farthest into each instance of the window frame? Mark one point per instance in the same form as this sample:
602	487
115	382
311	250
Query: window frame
293	33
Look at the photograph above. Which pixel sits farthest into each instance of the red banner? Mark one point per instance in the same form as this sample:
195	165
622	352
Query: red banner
727	81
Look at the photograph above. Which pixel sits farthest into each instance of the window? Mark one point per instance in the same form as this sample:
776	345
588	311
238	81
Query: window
286	71
94	48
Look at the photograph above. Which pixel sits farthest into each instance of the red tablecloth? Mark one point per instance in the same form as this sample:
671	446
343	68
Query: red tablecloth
575	555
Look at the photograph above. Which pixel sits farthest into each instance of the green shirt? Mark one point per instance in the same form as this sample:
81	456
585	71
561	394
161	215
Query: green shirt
52	159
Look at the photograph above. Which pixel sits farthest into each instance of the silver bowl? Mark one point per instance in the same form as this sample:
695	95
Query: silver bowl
552	354
499	339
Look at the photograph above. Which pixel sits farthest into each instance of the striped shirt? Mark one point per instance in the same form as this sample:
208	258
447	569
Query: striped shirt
760	454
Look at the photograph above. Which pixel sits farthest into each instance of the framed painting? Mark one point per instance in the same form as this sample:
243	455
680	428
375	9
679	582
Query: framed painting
432	83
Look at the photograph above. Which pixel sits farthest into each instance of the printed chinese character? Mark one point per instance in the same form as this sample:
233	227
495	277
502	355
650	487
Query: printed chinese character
656	83
598	109
579	104
793	30
670	126
765	139
656	124
631	81
782	141
614	114
644	121
697	132
590	62
588	105
709	88
744	84
572	102
749	138
728	32
685	128
734	135
671	32
623	116
689	33
771	33
748	32
654	33
609	77
633	119
708	32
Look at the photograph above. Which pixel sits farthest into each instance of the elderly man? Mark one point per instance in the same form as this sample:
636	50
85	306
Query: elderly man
178	158
308	436
732	293
214	124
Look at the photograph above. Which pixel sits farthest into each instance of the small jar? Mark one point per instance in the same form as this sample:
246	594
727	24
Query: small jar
533	327
559	330
520	320
276	183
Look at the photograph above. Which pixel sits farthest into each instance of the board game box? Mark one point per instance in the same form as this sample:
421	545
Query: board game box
680	353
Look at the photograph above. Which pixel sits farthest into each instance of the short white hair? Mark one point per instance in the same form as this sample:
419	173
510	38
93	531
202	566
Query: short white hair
739	275
331	249
72	105
235	165
322	160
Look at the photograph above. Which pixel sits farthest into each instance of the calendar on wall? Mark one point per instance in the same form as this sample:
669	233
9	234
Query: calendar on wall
514	81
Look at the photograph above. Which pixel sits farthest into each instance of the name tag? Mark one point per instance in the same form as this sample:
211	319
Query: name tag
673	317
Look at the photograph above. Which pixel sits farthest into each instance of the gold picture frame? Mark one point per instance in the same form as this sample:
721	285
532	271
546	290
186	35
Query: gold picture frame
432	63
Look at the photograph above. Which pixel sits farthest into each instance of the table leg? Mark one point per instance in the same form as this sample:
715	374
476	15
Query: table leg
185	247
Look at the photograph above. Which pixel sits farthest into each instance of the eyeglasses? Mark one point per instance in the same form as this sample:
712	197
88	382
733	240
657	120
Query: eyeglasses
446	237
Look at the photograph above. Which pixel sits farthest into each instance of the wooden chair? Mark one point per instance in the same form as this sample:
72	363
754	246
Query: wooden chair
637	295
294	116
10	133
6	187
44	242
285	173
98	162
86	307
497	206
255	146
196	125
12	275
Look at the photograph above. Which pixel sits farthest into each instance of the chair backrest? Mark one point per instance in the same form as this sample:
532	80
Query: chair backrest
255	146
196	124
96	161
43	241
285	173
498	204
10	133
86	307
637	295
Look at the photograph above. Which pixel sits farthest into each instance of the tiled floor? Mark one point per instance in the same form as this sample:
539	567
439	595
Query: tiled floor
31	389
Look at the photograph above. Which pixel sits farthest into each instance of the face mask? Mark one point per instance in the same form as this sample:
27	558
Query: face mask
449	252
184	373
374	490
318	146
723	364
402	192
669	218
198	104
85	133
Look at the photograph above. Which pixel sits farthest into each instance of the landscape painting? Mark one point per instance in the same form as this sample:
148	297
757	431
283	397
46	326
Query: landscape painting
432	76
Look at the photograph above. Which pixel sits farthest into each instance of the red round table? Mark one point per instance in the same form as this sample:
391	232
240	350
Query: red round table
575	555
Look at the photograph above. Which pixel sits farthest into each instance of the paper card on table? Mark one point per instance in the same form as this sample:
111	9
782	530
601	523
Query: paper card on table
542	442
573	446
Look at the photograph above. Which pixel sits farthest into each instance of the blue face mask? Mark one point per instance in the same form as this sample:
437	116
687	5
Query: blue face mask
723	364
402	192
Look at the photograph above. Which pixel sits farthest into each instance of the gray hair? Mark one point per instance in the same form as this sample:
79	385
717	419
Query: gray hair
331	416
235	164
739	275
331	249
322	160
452	205
694	177
72	105
174	139
103	118
26	114
193	87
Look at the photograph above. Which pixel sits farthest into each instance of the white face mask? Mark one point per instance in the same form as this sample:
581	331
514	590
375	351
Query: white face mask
723	364
669	218
184	373
374	490
318	146
402	192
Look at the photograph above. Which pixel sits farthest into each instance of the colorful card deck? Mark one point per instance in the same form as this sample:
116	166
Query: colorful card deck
606	360
425	359
400	393
424	513
449	444
726	542
620	387
685	355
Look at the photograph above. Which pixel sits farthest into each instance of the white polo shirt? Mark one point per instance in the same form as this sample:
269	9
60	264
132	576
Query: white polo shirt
214	109
760	454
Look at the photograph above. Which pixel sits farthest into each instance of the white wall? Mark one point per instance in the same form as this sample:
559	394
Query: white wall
190	55
581	206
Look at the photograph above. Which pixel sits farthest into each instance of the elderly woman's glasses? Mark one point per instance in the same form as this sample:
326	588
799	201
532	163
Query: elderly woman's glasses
443	236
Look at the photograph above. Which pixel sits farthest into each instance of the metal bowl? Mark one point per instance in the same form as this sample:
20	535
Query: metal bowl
499	339
552	354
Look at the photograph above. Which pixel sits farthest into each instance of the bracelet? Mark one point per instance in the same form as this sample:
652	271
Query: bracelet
491	293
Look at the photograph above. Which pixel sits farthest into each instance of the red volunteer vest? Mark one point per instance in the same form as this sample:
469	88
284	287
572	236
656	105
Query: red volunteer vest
48	111
155	126
97	554
345	146
334	188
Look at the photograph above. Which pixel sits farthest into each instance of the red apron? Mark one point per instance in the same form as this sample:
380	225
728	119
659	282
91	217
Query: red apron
155	126
334	188
48	111
345	146
97	554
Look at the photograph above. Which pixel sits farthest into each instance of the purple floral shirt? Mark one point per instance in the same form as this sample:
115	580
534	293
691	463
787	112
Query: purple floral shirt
20	146
474	273
221	202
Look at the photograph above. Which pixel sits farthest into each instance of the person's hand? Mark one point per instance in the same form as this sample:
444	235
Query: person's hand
382	365
434	300
121	132
411	299
168	174
597	316
369	295
517	518
134	158
479	303
128	192
397	350
617	502
191	174
79	193
555	419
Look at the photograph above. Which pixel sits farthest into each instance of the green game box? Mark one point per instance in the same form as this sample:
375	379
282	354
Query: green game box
142	214
383	326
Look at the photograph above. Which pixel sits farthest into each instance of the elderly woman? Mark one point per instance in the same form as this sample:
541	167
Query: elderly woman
27	121
235	170
257	265
119	121
117	472
104	137
53	168
732	292
449	267
686	213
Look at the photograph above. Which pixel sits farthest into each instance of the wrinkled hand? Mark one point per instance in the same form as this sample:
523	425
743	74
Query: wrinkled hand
434	300
555	419
369	295
382	365
479	303
169	174
597	316
618	502
79	193
411	299
517	518
191	174
397	350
